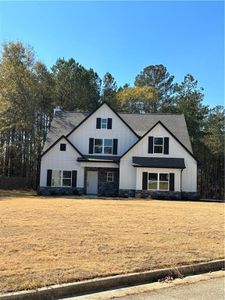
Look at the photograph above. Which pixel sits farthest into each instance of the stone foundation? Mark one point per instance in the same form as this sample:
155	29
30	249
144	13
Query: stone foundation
167	195
189	196
126	193
158	194
109	189
50	191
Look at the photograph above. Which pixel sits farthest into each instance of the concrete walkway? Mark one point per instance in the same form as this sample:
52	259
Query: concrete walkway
208	286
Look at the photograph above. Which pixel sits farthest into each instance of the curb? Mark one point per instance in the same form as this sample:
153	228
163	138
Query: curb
100	284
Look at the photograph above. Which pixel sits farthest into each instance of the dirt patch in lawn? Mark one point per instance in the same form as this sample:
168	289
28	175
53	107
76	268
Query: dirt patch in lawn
47	241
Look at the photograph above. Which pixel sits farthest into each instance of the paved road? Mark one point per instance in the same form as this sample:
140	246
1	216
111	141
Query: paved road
213	289
209	286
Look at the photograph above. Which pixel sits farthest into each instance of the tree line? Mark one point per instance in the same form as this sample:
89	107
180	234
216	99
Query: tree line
29	91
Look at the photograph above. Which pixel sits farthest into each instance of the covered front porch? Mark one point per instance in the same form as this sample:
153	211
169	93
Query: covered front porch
101	176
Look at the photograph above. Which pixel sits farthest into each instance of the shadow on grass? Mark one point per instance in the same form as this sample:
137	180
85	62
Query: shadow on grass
16	193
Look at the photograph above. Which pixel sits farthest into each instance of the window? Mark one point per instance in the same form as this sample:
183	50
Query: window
62	147
164	182
103	146
104	123
108	144
56	178
67	178
158	145
152	181
98	146
158	181
110	177
61	178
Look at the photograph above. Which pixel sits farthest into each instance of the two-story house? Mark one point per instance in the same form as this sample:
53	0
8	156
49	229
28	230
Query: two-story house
106	153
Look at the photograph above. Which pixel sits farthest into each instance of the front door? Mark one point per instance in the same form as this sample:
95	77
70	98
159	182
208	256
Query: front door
92	182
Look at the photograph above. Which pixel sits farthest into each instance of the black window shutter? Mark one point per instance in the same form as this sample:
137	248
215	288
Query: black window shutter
91	145
166	145
150	144
98	123
109	125
49	177
74	178
144	180
171	181
115	146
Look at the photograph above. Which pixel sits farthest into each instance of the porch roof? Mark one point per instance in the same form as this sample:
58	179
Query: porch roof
99	158
158	162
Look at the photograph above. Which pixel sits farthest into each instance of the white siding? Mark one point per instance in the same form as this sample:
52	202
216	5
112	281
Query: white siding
61	160
80	137
128	172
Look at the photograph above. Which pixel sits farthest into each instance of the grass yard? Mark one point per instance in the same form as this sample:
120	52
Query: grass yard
51	240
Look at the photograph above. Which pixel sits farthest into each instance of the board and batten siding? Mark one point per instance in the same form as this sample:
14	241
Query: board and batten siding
129	174
55	159
80	137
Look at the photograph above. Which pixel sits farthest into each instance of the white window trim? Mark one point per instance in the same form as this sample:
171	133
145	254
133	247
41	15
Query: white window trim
103	147
158	181
110	175
61	179
104	123
156	137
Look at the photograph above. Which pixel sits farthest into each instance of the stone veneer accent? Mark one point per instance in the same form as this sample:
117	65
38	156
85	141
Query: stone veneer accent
189	196
126	193
158	194
107	189
110	189
60	191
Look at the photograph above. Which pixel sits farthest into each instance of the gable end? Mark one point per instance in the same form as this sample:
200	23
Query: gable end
59	139
75	128
159	122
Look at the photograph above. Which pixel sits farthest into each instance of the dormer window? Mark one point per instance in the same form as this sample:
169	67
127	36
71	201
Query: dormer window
104	123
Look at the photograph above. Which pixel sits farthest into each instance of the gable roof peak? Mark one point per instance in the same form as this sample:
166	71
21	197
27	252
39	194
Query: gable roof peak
94	111
58	140
165	127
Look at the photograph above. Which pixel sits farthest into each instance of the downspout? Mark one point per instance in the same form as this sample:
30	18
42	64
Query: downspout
181	183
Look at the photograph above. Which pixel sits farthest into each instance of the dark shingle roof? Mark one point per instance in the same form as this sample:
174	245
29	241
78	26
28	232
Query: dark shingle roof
64	122
158	162
176	123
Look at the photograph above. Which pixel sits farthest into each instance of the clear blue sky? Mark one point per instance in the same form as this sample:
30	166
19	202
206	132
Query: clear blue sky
125	37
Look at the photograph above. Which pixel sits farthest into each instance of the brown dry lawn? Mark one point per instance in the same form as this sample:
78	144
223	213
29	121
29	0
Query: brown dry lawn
51	240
